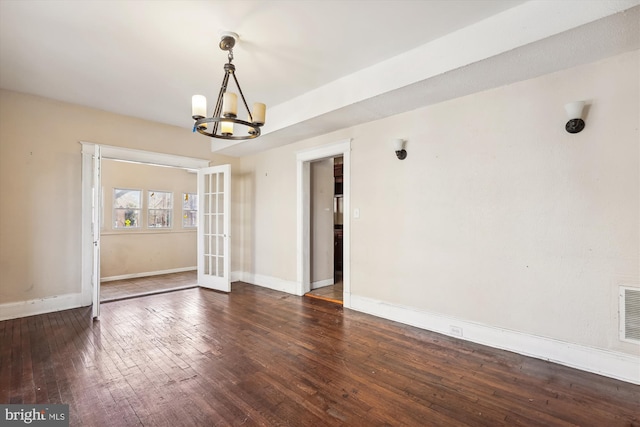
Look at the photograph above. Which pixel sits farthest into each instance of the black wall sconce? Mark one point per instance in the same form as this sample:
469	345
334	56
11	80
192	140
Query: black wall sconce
574	112
398	145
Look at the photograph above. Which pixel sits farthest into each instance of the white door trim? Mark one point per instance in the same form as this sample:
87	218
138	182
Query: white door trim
303	162
150	157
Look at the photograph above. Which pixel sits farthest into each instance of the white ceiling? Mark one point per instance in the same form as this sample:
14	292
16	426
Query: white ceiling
319	65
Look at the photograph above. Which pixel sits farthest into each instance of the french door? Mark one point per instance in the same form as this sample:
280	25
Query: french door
96	221
214	188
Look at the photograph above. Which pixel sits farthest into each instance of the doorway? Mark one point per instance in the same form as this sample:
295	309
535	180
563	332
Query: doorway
327	234
92	155
304	215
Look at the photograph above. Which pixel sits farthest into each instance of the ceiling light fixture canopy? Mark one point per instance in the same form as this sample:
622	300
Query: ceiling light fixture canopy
225	114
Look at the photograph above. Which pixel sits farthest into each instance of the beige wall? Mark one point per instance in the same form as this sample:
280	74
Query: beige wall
497	216
40	174
145	250
267	188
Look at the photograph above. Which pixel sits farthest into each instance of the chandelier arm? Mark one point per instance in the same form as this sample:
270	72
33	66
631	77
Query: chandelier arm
242	96
218	110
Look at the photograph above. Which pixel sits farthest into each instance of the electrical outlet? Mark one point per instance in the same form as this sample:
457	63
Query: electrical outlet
455	330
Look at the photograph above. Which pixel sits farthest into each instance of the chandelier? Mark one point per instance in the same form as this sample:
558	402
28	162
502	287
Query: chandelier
225	114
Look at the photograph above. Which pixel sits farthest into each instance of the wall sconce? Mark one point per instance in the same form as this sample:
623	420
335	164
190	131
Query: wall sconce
574	112
398	145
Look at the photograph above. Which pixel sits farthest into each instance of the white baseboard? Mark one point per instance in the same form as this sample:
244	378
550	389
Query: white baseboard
272	283
146	274
14	310
612	364
236	276
322	283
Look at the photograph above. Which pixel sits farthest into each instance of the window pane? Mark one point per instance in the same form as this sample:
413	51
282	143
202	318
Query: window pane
221	224
220	206
214	184
123	198
190	219
190	201
127	206
126	218
160	200
160	209
207	224
159	218
189	210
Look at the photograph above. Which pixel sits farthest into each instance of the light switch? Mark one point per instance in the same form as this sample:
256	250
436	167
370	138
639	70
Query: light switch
356	213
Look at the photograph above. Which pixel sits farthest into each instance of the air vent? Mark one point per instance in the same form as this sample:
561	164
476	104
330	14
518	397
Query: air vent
630	314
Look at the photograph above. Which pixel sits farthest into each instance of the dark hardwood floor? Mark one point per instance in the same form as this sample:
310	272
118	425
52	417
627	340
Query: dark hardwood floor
259	357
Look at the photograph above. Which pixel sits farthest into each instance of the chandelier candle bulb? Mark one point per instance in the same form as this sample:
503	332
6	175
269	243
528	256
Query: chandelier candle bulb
198	106
229	105
227	128
258	113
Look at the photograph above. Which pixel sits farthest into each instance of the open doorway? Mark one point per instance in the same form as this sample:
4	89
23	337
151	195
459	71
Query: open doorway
305	159
326	228
148	229
92	157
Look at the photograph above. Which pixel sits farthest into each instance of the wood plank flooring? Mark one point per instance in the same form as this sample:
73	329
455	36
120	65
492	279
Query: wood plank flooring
259	357
333	293
139	286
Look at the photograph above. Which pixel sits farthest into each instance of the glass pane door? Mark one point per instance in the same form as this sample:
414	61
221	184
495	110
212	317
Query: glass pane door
213	228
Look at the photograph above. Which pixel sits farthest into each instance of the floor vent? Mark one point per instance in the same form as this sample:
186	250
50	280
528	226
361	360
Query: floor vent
630	314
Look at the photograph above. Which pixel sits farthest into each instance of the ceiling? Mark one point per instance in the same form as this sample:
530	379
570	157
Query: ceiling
319	65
